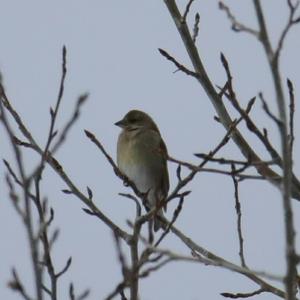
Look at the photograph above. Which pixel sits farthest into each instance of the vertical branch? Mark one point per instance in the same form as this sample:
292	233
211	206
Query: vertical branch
134	253
292	113
33	242
263	34
25	181
286	154
136	263
134	278
53	114
239	216
37	178
47	259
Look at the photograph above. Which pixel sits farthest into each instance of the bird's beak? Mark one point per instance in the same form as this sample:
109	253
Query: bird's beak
120	123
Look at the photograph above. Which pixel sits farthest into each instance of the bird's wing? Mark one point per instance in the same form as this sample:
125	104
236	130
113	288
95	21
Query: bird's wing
165	178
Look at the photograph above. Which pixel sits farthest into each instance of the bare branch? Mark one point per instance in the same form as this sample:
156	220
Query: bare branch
239	217
90	193
118	290
174	218
15	115
65	269
215	260
177	64
14	198
292	20
204	80
243	295
16	285
121	257
235	24
292	113
71	292
81	100
187	9
268	111
53	114
43	235
287	190
226	161
136	201
158	266
262	169
190	177
263	33
27	219
198	169
196	27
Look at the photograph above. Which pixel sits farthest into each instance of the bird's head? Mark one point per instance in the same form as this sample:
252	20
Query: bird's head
136	119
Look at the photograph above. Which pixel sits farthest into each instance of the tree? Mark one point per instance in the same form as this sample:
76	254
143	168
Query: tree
141	256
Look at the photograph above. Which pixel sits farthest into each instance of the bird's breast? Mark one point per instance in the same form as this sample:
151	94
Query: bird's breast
136	163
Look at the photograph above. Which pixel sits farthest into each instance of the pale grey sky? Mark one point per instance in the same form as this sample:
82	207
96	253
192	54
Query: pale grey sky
112	54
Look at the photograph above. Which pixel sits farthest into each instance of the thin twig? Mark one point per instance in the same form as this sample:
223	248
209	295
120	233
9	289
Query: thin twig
121	257
292	113
226	161
198	169
71	292
16	285
243	295
138	206
118	290
292	20
14	197
268	111
83	295
53	114
146	273
43	235
174	218
239	217
196	27
187	9
235	24
177	64
81	100
65	268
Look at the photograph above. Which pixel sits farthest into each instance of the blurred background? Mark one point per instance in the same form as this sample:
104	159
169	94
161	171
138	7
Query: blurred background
112	54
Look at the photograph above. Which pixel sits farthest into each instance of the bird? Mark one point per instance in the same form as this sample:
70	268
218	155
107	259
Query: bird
142	157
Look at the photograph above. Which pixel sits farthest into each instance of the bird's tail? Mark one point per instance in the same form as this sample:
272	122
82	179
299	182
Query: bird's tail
157	223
